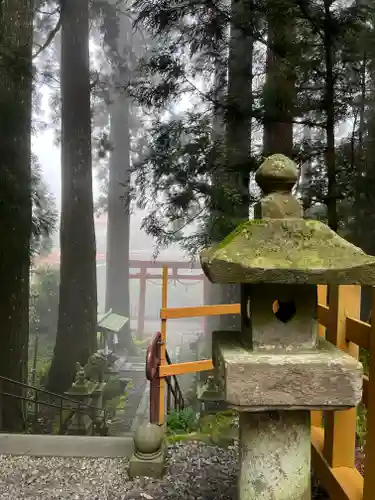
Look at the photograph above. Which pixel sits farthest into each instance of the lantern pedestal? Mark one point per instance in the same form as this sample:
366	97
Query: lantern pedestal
275	451
321	378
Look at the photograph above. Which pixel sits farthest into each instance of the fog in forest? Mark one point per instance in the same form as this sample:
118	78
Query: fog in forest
142	298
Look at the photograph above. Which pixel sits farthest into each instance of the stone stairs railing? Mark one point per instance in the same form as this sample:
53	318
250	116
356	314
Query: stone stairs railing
79	411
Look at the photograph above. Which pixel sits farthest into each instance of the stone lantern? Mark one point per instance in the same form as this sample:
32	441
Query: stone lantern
276	369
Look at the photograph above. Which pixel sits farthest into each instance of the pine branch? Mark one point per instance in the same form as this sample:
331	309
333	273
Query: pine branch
50	38
305	10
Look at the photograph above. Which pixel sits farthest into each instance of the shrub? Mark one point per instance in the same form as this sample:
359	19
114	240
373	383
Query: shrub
44	302
182	421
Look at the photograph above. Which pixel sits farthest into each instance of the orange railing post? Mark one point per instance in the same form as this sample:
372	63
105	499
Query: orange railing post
340	426
369	479
317	416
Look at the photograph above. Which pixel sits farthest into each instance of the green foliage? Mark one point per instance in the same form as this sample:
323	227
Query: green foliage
174	183
115	393
220	426
183	421
42	370
44	303
43	360
44	213
192	436
192	42
361	425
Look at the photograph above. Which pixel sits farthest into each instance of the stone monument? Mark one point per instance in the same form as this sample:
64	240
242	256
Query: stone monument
276	369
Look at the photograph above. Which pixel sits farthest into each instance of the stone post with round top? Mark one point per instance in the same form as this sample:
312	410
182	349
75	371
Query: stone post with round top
148	459
276	369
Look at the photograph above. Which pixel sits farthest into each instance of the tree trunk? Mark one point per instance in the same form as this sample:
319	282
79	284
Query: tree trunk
16	18
305	173
233	128
118	221
238	127
212	291
118	40
279	89
76	330
240	101
365	166
331	200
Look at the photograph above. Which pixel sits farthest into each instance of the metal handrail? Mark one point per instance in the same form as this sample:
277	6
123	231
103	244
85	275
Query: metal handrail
80	407
175	391
42	391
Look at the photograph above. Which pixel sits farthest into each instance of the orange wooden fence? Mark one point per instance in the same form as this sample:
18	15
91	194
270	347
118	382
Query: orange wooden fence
334	442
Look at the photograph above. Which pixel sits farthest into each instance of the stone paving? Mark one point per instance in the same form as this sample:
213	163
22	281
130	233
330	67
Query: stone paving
135	370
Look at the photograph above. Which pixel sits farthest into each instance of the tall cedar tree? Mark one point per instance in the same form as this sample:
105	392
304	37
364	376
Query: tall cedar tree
279	87
76	331
186	156
319	75
312	58
117	30
331	40
16	33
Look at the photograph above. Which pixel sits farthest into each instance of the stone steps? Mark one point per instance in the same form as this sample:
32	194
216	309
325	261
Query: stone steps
138	381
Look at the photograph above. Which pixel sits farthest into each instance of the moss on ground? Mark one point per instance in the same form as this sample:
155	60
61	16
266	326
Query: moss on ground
218	429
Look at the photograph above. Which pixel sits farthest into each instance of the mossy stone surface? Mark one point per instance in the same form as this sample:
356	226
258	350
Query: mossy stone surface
277	173
289	251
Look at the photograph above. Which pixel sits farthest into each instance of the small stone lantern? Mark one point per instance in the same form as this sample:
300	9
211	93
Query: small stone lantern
81	391
276	369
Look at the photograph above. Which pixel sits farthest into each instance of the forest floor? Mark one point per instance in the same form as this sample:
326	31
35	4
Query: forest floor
195	471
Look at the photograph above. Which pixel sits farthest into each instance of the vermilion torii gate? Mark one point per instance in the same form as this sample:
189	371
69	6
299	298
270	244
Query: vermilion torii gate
175	272
143	275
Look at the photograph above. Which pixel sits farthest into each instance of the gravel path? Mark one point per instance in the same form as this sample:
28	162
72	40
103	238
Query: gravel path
195	472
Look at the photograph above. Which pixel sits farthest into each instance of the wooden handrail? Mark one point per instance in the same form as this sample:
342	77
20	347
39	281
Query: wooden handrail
153	360
153	357
152	374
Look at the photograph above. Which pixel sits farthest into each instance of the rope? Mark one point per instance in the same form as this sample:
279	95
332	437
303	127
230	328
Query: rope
189	284
175	281
153	283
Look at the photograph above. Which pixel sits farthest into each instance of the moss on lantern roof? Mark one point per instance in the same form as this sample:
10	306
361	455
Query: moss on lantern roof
287	251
